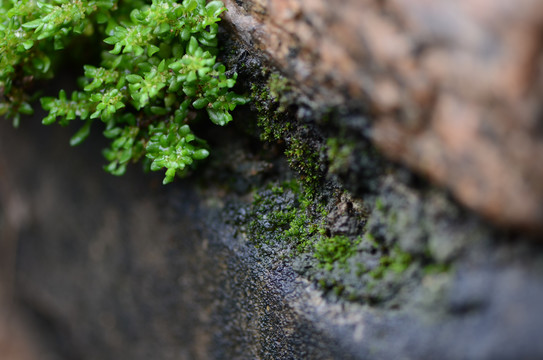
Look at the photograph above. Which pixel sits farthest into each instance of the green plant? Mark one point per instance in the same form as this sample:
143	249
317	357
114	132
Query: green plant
335	249
283	214
158	66
396	262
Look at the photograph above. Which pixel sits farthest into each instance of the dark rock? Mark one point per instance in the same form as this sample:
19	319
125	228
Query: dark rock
125	268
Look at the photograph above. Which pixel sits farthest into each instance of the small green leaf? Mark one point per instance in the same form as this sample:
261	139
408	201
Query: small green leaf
28	44
208	42
162	66
152	49
201	154
101	17
158	110
111	133
47	103
81	134
48	120
57	43
133	78
94	115
190	5
111	40
189	90
200	103
192	46
32	24
42	63
126	156
25	108
163	28
120	170
214	8
185	34
219	117
191	77
176	66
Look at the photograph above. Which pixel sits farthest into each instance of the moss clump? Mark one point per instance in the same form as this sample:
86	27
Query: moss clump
397	262
337	249
271	103
304	157
360	265
355	252
339	153
279	88
278	122
281	215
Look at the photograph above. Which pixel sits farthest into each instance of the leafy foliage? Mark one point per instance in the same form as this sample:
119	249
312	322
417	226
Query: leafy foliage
158	67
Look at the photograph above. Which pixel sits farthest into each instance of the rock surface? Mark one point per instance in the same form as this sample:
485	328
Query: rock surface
123	268
453	88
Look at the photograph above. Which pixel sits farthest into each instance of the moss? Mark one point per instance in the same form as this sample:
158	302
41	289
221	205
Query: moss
287	215
339	152
336	249
275	107
279	87
305	159
279	214
379	204
431	269
397	262
270	120
287	220
353	252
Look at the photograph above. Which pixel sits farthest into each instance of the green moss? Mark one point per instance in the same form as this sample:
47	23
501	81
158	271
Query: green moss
276	215
305	159
353	260
336	249
271	120
284	215
431	269
339	152
277	125
278	87
379	204
397	262
359	267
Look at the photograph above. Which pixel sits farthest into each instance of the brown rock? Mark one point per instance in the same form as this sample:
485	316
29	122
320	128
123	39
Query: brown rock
454	87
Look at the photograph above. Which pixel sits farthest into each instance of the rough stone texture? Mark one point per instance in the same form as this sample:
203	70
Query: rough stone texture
113	268
453	87
123	268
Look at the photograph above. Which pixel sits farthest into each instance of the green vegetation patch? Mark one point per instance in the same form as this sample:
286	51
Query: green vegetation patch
158	68
280	215
337	249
